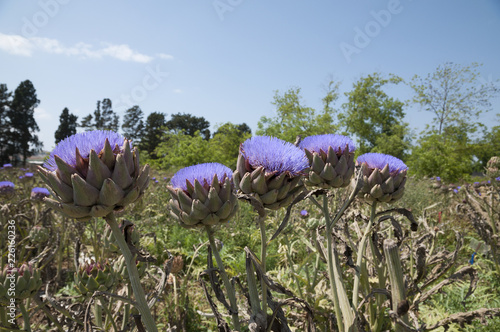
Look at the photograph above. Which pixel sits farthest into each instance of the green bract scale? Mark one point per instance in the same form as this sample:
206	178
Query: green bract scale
270	169
19	284
95	277
93	174
202	195
384	177
121	268
331	160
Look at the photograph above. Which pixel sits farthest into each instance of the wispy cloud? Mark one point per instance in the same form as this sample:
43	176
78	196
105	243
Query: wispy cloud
177	91
19	45
41	114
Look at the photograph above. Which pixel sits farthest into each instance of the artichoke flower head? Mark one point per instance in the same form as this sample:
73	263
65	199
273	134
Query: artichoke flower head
384	177
93	174
202	195
270	169
331	160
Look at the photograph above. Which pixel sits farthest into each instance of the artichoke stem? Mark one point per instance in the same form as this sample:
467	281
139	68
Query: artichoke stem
140	297
361	252
26	316
263	251
229	288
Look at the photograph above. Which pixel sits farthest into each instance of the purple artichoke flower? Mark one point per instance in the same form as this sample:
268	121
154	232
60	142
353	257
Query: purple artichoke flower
38	194
331	160
7	166
94	173
202	195
270	169
7	189
384	177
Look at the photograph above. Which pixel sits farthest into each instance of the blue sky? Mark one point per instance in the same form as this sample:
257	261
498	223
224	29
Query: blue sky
224	59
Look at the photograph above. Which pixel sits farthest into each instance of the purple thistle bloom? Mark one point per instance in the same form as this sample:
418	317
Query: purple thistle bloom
153	178
164	178
459	187
90	140
455	191
38	193
6	188
28	175
497	179
438	178
380	160
6	184
274	155
204	173
318	143
21	177
304	213
7	165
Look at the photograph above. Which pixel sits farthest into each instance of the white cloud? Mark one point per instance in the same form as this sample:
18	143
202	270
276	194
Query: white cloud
15	44
19	45
177	91
41	114
165	56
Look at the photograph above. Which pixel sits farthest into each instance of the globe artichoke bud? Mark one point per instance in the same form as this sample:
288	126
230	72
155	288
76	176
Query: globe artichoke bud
93	174
493	167
38	194
270	169
384	177
39	234
121	268
19	283
93	277
331	160
202	195
7	189
132	236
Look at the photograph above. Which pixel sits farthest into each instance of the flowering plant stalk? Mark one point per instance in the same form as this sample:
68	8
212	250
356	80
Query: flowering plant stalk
268	173
203	196
94	174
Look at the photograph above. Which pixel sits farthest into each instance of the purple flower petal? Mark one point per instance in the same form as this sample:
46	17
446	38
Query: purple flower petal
379	160
39	190
323	142
89	140
204	173
274	154
5	184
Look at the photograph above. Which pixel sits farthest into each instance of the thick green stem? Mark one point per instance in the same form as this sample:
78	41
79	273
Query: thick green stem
26	316
341	302
396	278
229	287
135	282
263	250
361	252
126	309
98	313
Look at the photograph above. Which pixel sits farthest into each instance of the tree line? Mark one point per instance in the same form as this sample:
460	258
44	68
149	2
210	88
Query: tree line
452	146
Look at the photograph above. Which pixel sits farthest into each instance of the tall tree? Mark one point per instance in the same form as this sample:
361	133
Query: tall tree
133	126
104	118
67	125
293	119
456	97
5	101
189	125
153	131
375	118
22	121
454	94
225	144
